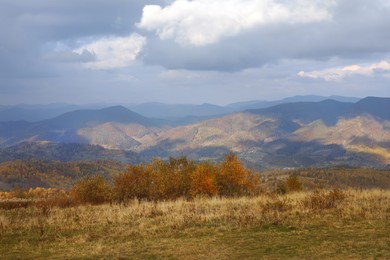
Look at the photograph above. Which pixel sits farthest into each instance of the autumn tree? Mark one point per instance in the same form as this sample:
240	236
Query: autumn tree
93	190
180	177
133	184
234	179
203	181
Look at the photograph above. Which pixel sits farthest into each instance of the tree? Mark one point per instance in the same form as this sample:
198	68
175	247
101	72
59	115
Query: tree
133	184
203	181
93	190
234	179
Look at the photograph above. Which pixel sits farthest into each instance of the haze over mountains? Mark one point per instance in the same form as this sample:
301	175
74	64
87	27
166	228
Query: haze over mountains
33	113
295	132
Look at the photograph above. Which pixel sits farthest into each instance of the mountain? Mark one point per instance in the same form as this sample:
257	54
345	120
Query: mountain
79	118
300	134
325	133
177	114
328	110
74	126
258	104
33	113
170	111
379	107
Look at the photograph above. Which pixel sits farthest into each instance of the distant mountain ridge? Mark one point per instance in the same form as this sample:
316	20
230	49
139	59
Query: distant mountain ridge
258	104
328	110
300	134
118	114
171	111
64	128
176	113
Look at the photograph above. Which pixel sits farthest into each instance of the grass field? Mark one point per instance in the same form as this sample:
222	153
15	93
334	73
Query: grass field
315	224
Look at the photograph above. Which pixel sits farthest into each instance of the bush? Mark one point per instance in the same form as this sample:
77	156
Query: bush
281	188
19	193
293	184
324	200
91	190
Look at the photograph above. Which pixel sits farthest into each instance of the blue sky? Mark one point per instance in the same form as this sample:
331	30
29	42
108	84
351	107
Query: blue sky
181	51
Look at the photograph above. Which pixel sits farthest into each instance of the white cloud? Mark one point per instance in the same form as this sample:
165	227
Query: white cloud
113	52
203	22
339	73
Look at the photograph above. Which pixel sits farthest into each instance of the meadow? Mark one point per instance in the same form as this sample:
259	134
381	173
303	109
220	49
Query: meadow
321	223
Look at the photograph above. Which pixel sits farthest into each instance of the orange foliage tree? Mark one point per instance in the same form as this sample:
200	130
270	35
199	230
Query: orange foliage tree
234	179
133	184
180	177
203	181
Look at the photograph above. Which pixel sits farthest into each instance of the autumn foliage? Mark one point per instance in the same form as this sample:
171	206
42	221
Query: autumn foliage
203	181
180	177
157	180
92	190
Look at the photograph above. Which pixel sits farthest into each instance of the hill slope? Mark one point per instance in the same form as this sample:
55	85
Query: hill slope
66	127
54	174
324	133
300	134
66	152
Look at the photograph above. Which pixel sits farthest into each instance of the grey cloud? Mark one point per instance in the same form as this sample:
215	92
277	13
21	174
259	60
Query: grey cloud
358	29
37	63
70	56
28	26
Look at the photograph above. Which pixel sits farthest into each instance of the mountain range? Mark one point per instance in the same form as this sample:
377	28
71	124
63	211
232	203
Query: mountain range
175	113
323	132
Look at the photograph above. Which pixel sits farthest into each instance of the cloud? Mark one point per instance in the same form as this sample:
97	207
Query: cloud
339	73
203	22
28	26
189	51
70	56
112	52
232	35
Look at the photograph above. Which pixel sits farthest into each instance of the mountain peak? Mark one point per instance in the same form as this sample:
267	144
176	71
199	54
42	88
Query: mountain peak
374	99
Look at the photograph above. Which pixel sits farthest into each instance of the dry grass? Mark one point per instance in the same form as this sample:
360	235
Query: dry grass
315	224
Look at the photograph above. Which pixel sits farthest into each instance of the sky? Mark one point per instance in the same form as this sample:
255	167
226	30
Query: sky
199	51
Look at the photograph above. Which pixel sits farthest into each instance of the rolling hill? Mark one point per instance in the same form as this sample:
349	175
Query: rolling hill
300	134
66	152
54	174
66	127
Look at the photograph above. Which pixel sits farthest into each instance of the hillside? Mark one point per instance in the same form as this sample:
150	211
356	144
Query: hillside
301	134
54	174
64	128
66	152
329	111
